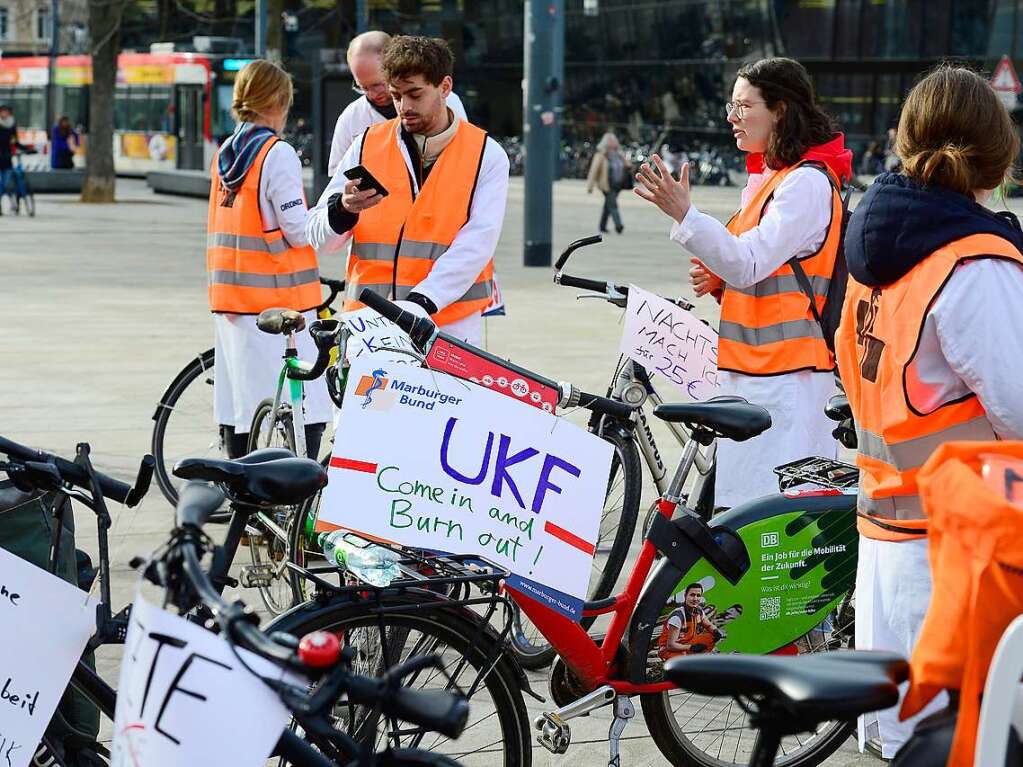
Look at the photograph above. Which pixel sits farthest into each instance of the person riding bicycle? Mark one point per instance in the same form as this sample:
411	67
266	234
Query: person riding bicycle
772	350
8	145
430	242
930	342
687	629
258	257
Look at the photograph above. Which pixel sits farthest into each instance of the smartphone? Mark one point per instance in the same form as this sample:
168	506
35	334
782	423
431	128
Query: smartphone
368	181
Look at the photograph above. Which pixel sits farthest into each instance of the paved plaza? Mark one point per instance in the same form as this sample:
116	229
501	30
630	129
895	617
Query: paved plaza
105	303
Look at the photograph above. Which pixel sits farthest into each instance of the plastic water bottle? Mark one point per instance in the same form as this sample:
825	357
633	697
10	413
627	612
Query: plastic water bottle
368	562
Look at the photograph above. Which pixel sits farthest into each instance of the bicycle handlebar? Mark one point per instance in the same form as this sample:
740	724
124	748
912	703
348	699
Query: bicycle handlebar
420	329
324	334
591	240
604	406
75	474
336	287
583	283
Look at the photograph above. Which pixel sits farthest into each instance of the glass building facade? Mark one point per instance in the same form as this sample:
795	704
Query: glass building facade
637	65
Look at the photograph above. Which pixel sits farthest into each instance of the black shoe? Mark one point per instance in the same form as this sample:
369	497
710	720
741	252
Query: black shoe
620	229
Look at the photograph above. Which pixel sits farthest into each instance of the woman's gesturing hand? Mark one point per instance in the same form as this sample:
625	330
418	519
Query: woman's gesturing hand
657	186
703	280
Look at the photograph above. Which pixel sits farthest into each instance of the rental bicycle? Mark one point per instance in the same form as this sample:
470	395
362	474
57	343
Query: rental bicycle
777	576
183	422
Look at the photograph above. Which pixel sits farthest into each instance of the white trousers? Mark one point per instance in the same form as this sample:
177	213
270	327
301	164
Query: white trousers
248	366
893	592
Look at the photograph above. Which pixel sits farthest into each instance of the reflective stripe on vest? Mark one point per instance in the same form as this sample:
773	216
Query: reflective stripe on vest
876	345
248	269
768	328
396	243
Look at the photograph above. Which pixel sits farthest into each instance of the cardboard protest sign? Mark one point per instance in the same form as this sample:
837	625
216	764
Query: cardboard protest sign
374	335
48	622
426	460
184	694
671	341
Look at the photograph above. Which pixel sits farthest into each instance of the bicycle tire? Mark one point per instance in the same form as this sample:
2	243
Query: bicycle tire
201	370
298	551
265	546
453	635
660	712
531	648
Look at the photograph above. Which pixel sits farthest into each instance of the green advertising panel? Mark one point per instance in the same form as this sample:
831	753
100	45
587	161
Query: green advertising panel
802	565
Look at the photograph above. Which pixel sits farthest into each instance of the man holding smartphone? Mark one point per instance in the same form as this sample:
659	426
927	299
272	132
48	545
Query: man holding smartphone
364	54
429	242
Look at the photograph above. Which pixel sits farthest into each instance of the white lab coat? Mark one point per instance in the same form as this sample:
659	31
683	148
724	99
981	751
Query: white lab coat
454	272
248	361
359	115
794	224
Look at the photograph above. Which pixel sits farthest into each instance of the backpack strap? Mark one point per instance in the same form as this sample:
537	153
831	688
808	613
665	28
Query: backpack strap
797	268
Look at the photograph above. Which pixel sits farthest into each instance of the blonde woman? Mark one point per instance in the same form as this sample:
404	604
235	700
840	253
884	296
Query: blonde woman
258	257
930	342
610	172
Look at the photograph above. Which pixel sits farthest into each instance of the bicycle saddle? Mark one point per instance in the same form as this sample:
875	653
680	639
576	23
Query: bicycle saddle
270	476
279	321
797	692
730	417
838	408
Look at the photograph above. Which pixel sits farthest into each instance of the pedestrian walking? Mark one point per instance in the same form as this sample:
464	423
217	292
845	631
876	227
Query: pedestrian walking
610	172
64	143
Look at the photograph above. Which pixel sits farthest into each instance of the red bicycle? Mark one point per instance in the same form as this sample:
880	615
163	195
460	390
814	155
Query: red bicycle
775	575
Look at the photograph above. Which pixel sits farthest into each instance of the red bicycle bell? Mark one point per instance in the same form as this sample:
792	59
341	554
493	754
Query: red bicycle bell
319	649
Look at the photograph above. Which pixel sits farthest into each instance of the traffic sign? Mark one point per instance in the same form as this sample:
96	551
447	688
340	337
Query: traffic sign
1006	83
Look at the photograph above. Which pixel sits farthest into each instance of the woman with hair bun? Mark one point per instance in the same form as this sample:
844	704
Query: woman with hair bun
258	256
931	341
772	349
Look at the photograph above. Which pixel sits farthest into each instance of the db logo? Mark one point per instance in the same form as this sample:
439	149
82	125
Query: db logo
519	387
768	539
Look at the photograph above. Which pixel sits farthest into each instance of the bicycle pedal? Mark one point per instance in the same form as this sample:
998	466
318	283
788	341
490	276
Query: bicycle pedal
555	734
256	576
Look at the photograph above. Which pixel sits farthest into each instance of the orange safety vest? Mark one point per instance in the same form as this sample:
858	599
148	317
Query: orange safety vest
768	328
395	243
876	344
251	269
976	557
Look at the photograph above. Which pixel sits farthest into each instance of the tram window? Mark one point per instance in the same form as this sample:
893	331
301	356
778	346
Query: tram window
143	109
29	105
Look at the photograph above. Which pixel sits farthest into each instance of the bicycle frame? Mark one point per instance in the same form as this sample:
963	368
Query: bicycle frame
296	393
597	664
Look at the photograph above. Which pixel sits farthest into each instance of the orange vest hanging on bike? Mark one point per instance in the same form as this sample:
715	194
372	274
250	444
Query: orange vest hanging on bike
395	243
876	345
769	328
251	269
976	558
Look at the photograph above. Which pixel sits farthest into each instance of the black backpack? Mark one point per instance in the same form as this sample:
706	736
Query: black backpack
831	313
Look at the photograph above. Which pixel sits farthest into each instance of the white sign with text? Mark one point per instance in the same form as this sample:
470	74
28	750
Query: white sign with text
670	341
184	697
427	460
375	336
47	624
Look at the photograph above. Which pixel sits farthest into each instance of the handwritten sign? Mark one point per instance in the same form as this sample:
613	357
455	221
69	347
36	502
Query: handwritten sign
671	341
184	695
375	336
48	621
426	460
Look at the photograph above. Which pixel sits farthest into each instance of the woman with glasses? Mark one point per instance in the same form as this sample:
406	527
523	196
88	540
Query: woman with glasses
772	349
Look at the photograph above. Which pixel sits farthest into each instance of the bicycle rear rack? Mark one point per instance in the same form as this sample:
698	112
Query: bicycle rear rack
825	472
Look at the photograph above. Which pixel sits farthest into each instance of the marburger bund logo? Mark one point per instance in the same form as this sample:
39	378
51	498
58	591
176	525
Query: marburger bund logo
381	393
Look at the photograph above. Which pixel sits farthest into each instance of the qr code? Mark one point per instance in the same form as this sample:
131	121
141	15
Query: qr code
770	608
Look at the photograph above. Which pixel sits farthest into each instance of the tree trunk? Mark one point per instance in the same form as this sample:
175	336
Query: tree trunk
104	43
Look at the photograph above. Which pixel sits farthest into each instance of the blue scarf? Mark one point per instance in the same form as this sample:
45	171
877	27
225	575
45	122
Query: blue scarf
239	152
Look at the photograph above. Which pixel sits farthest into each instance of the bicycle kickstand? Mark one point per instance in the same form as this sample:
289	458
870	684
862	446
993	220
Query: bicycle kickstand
624	711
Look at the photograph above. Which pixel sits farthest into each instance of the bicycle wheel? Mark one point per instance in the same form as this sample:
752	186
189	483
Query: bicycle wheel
498	731
184	424
696	730
270	530
617	525
301	541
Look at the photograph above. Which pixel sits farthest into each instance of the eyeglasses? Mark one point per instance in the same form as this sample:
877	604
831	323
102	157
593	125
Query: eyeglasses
375	88
739	108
